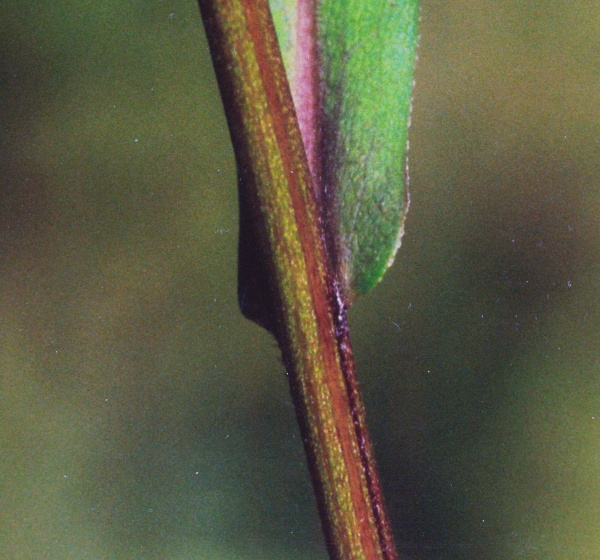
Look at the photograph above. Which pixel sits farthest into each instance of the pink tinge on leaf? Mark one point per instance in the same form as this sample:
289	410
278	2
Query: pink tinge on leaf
305	86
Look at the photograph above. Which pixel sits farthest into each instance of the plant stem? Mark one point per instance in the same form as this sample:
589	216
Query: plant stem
310	318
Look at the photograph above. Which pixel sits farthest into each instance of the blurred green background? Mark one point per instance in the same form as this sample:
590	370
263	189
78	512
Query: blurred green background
141	417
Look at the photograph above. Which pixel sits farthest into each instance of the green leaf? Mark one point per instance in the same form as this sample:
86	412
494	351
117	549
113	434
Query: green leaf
362	54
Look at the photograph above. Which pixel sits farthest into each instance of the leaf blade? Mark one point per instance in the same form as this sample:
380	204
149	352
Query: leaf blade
366	54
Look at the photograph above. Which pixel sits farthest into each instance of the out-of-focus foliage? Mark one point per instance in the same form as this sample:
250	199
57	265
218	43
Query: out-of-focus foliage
142	417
